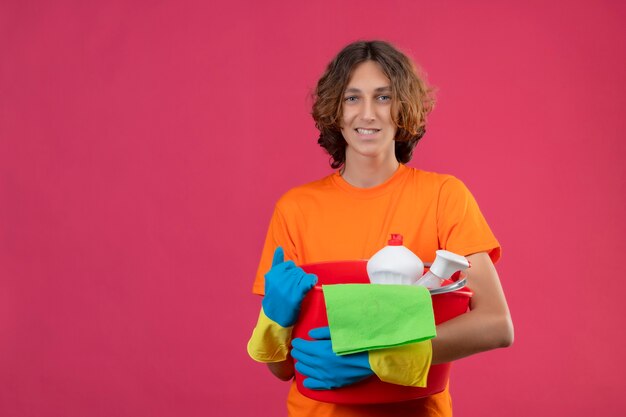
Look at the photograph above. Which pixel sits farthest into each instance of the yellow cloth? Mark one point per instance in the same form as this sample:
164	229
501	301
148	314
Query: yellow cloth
270	341
403	365
331	220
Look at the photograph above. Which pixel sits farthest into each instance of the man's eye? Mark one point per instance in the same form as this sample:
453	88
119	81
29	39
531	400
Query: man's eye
350	99
384	98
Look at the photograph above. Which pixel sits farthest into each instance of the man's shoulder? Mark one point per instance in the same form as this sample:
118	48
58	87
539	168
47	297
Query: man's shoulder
314	190
435	179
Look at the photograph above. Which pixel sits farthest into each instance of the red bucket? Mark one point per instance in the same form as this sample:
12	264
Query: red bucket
372	390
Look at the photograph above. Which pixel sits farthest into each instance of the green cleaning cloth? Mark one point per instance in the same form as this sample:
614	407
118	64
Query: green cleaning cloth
365	317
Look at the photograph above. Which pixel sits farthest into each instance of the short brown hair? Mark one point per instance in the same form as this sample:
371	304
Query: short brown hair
412	100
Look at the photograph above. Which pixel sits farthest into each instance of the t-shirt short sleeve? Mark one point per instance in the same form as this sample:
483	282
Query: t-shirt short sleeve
461	227
277	235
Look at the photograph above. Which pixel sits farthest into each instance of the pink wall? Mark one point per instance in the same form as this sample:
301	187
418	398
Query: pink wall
143	145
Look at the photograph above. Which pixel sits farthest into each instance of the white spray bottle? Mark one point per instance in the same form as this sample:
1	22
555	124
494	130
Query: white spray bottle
395	264
446	263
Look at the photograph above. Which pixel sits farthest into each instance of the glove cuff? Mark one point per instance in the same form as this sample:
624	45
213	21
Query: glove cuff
284	314
403	365
269	341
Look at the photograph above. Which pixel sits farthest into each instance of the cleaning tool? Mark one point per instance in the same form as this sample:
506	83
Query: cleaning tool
394	264
393	366
364	317
445	265
286	285
323	369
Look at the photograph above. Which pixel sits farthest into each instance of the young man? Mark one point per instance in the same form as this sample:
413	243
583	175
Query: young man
371	107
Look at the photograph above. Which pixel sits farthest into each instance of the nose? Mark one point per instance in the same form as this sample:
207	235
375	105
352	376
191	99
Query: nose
367	111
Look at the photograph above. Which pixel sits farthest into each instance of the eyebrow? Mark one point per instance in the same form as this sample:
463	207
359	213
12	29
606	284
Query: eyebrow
384	89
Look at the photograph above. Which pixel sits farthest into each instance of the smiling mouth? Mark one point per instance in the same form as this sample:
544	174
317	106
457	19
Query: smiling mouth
367	131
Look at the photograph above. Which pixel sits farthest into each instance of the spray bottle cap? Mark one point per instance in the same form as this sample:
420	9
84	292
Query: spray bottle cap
396	240
447	263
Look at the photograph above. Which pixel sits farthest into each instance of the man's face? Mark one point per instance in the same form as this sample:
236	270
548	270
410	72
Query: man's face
367	125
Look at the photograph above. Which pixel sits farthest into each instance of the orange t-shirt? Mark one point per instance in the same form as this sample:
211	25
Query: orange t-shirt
331	220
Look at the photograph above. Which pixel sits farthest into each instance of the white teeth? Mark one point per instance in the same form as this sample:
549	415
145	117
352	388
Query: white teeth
367	131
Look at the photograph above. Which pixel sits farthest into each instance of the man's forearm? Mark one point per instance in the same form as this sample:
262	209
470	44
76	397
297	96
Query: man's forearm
282	370
487	326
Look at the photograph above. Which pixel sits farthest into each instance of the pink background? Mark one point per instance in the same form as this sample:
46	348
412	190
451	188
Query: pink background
143	145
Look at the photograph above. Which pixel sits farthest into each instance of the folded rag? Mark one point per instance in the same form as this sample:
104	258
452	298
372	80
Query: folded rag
370	316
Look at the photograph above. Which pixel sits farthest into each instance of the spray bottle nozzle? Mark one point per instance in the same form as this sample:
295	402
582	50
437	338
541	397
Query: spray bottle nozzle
446	263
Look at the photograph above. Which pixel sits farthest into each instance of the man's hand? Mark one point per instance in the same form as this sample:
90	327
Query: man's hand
322	367
286	285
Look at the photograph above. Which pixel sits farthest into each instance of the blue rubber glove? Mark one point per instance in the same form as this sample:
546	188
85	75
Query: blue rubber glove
322	367
286	285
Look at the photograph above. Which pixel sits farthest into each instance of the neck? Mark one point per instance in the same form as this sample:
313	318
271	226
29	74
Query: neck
366	172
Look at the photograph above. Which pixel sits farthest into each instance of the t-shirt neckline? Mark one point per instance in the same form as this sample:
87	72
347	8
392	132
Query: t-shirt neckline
370	192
